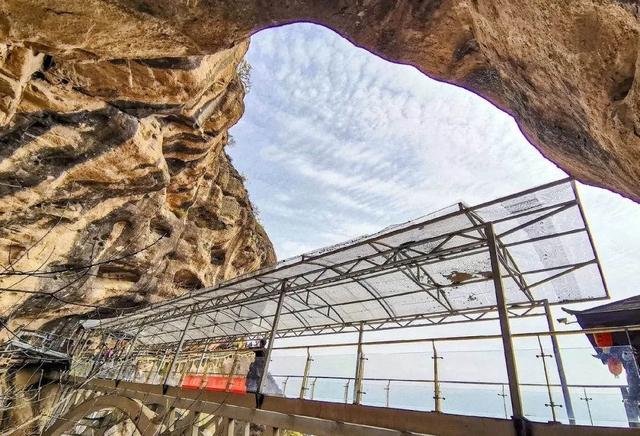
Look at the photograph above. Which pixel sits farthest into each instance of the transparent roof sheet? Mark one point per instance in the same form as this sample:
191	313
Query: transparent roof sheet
437	264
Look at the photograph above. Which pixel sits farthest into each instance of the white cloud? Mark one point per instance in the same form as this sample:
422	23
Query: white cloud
336	142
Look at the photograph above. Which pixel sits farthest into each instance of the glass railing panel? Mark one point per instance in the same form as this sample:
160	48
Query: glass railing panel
336	390
407	375
471	361
610	378
416	365
599	406
286	365
288	386
475	399
331	375
471	376
412	395
324	363
377	392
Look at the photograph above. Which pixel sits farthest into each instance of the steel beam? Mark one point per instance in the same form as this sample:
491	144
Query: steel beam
559	364
272	336
178	349
357	387
505	329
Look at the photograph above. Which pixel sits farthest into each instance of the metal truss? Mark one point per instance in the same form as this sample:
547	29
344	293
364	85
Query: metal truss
489	313
246	307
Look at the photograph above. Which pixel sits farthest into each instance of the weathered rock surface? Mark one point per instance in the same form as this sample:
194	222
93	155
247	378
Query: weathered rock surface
565	70
115	189
115	115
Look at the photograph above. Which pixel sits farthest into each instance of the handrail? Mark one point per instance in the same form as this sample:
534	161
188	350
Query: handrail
462	382
632	327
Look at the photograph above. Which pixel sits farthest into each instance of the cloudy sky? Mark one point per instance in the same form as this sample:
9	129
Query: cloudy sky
336	143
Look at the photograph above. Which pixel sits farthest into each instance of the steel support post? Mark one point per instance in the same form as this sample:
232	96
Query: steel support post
272	336
78	344
313	388
574	187
305	376
566	395
204	352
437	397
100	350
551	403
346	391
505	329
178	349
130	347
387	392
157	372
357	388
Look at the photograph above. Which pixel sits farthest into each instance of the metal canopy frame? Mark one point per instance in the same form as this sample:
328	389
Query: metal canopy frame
369	282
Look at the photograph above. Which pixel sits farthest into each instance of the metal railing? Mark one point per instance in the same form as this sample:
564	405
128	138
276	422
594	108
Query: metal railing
435	374
547	396
34	345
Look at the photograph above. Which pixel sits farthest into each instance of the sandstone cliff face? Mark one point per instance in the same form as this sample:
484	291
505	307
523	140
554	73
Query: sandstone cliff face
566	70
115	115
115	189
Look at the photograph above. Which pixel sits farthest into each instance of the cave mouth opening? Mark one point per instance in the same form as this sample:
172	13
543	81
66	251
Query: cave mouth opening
336	142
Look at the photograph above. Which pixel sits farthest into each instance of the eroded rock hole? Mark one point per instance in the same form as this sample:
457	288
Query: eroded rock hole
186	279
621	90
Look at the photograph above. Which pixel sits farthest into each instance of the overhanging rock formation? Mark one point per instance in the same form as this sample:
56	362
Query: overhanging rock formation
565	70
114	116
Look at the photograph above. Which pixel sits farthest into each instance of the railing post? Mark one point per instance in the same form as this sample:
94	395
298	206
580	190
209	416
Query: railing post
566	394
130	347
551	403
204	352
387	390
234	367
272	335
178	349
505	329
305	376
436	382
313	388
504	401
284	387
346	391
157	373
586	399
357	387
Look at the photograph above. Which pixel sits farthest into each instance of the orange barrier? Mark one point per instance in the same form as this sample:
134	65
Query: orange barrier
192	381
237	385
219	383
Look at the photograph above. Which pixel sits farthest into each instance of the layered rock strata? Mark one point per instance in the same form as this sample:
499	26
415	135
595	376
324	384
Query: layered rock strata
115	189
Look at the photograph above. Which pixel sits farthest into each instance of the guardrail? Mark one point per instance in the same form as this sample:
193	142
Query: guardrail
558	381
